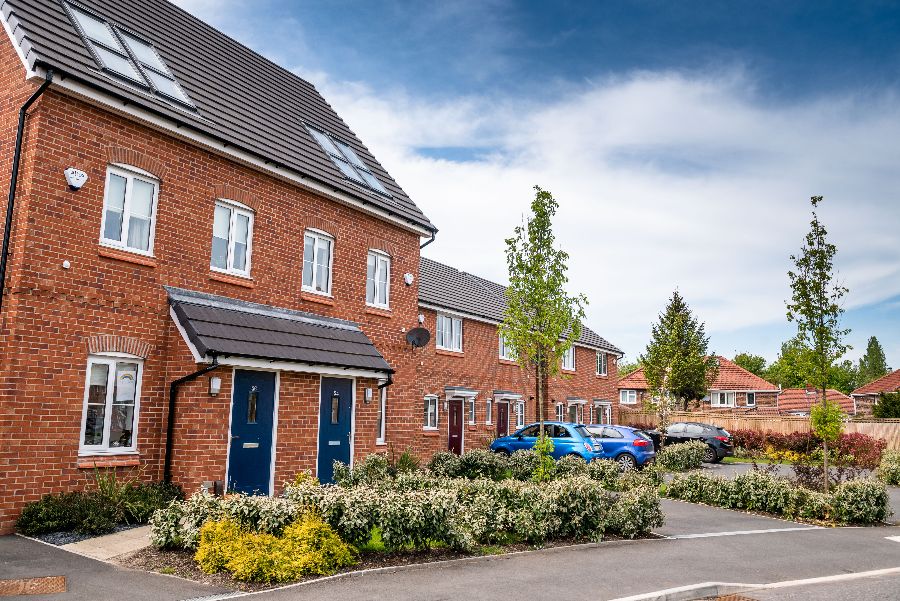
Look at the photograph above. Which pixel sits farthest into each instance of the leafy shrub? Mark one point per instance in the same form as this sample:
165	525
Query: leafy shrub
374	468
650	478
889	469
604	471
307	547
480	463
860	450
571	465
546	467
862	501
444	463
682	457
635	512
522	464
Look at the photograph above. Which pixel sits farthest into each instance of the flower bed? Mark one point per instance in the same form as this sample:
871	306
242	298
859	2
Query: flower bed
856	450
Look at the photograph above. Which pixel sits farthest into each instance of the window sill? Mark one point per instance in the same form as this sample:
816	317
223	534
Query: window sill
317	298
380	443
371	310
96	461
449	353
237	280
567	371
603	376
126	256
431	432
507	362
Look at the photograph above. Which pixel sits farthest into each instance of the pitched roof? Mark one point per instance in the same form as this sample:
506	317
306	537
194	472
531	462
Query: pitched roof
800	400
449	288
731	377
241	98
888	383
231	327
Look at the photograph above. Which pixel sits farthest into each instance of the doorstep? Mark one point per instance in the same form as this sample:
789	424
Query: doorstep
110	545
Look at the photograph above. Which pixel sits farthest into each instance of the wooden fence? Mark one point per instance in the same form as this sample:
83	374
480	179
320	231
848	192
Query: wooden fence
886	429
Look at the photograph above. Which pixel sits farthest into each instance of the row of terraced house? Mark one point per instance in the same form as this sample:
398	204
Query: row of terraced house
210	279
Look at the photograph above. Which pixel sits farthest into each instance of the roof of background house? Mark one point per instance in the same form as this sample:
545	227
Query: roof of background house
888	383
800	400
731	377
241	98
449	288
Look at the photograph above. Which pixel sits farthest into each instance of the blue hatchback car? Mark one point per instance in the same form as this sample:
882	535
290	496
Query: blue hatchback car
629	447
568	439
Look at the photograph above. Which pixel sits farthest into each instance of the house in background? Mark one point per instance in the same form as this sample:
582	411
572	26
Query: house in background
798	401
867	396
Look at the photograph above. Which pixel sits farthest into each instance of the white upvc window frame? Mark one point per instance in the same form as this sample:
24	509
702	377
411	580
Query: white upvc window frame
602	364
488	411
111	360
471	411
382	262
750	395
506	352
319	237
456	326
715	398
520	414
565	360
235	209
381	423
628	397
431	400
130	174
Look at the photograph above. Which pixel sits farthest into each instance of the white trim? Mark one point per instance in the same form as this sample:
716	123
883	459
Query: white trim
111	360
437	412
605	356
325	370
235	209
488	411
628	392
453	320
129	173
563	361
317	236
275	432
381	429
194	352
178	130
378	254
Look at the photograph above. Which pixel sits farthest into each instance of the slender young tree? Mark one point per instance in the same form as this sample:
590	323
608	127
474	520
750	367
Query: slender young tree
873	364
816	309
542	320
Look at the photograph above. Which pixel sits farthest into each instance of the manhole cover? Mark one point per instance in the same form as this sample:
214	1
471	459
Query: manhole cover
33	586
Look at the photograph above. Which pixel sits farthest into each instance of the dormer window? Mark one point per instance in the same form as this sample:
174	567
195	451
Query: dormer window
347	161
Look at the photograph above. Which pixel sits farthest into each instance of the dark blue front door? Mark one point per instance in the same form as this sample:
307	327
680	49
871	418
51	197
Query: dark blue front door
252	416
335	421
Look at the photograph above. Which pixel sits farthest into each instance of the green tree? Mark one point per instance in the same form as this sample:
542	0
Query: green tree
677	364
873	364
542	320
752	363
844	376
786	371
627	367
815	307
888	406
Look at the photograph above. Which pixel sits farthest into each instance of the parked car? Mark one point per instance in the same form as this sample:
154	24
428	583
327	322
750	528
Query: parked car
717	439
629	447
568	439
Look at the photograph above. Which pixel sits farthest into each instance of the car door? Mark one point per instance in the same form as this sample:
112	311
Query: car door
692	432
675	433
563	440
613	442
526	439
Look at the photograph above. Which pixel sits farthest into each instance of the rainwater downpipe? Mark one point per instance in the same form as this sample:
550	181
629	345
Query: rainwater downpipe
14	179
429	241
170	427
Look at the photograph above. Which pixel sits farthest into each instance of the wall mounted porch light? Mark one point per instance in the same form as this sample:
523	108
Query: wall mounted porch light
215	385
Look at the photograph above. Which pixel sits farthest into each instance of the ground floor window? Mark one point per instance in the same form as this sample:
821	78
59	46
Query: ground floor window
111	403
471	409
751	399
628	397
431	412
722	399
488	407
520	414
560	412
381	424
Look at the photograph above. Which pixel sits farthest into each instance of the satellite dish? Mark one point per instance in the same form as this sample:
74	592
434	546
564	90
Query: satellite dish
418	337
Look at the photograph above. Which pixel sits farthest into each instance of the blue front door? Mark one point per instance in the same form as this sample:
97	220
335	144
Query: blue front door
335	423
252	417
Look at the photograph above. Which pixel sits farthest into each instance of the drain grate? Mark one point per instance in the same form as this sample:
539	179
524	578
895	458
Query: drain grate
734	597
33	586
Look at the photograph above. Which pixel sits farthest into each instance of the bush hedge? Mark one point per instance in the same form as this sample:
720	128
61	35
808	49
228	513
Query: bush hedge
889	469
858	450
682	457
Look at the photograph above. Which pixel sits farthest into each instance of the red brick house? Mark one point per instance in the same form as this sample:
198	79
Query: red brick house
734	389
797	401
867	396
225	298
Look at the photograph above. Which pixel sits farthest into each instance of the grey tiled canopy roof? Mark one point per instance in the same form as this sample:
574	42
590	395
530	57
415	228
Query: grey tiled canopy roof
446	287
225	326
241	98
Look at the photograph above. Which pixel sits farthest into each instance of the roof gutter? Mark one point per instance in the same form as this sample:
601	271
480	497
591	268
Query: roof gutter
433	234
170	427
14	179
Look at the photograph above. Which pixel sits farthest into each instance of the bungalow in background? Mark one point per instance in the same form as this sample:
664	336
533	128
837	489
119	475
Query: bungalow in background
866	396
797	401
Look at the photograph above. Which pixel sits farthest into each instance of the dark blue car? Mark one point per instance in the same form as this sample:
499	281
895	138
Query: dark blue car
568	439
629	447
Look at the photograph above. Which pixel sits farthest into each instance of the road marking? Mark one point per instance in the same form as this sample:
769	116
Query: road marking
896	539
742	532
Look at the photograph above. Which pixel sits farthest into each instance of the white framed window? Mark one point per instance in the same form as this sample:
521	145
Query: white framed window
488	411
112	394
568	359
431	412
449	333
506	350
560	412
628	397
232	238
129	210
602	364
520	414
471	409
318	251
378	278
751	399
722	399
381	419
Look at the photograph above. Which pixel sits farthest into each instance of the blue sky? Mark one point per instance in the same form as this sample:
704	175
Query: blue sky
682	139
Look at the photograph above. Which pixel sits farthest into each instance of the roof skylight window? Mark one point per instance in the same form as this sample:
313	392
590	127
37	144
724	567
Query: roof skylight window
347	161
126	55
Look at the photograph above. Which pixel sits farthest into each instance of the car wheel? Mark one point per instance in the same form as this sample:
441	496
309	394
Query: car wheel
626	462
710	456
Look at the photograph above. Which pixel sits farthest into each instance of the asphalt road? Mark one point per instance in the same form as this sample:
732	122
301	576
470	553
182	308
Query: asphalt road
863	589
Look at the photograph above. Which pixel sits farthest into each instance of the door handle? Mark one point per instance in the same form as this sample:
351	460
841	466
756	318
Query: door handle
235	437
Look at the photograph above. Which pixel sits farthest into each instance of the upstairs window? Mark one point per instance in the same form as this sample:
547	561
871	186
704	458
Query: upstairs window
449	333
378	275
506	350
232	232
129	210
317	259
602	365
568	359
347	161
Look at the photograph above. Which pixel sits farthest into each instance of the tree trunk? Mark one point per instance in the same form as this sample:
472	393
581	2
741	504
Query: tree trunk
825	441
539	382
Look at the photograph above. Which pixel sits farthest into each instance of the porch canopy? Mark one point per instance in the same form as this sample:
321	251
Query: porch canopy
230	328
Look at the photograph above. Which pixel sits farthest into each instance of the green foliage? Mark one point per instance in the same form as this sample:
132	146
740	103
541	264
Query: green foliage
625	368
522	464
788	370
445	464
372	469
889	469
861	502
873	364
308	547
480	463
682	457
752	363
888	406
827	420
571	465
546	467
677	361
